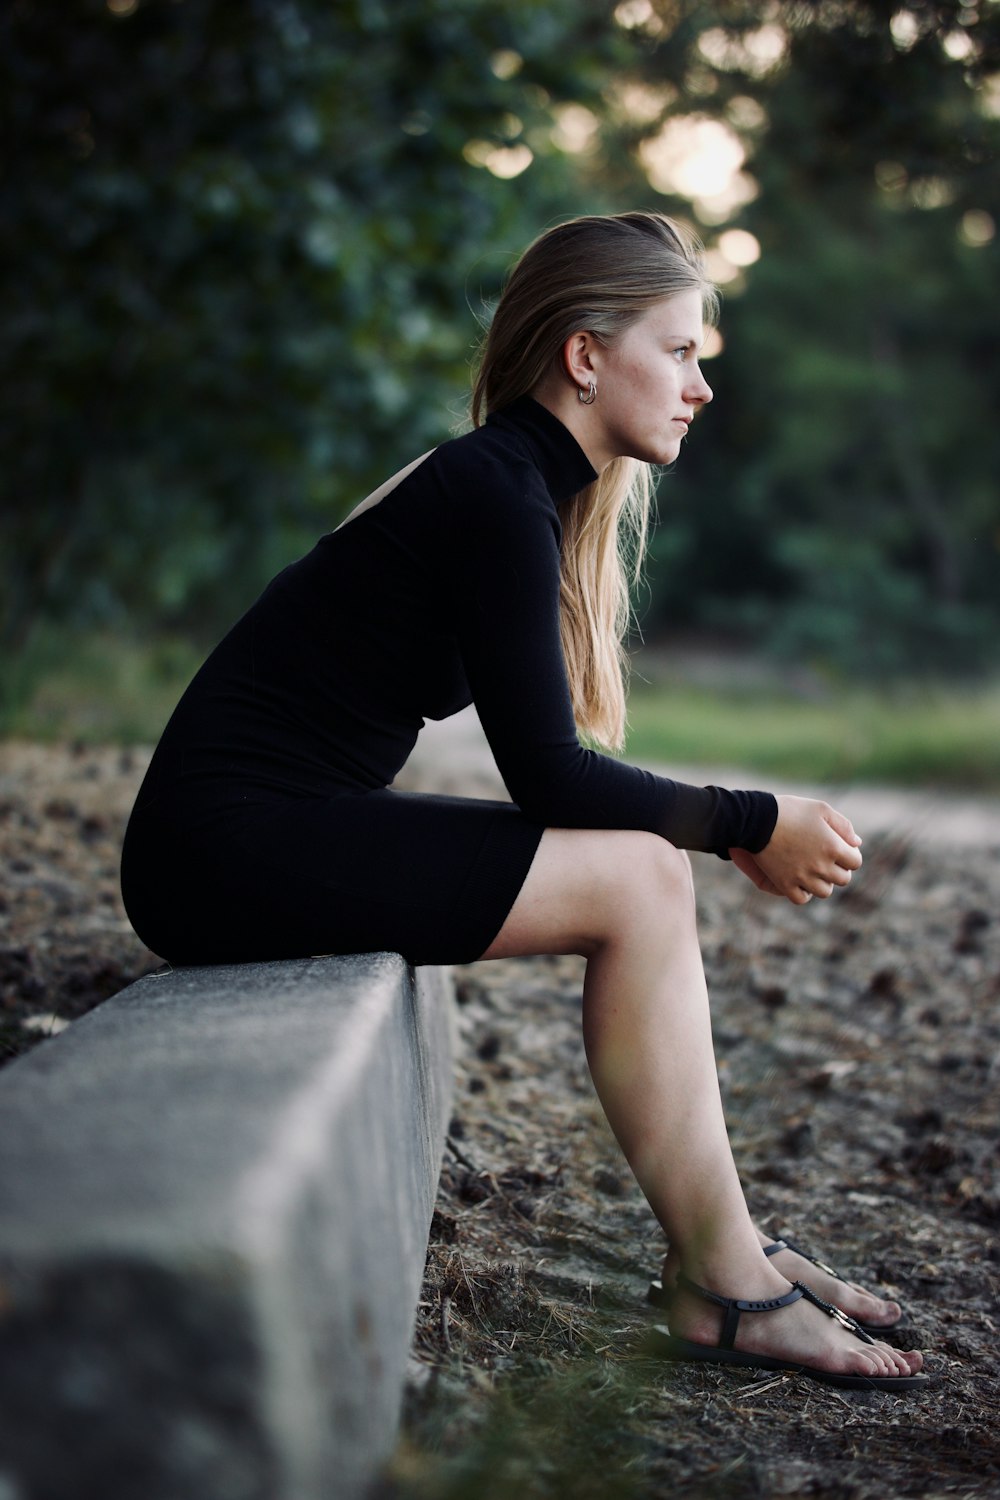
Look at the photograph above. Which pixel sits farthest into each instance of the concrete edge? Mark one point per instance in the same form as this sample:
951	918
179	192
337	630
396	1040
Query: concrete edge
259	1144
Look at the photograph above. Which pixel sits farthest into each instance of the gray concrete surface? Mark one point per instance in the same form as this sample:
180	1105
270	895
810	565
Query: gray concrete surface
215	1194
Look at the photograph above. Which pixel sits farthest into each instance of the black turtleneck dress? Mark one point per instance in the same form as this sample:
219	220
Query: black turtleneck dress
266	828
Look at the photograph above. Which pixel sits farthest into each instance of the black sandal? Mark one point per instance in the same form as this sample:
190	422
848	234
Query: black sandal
665	1345
659	1296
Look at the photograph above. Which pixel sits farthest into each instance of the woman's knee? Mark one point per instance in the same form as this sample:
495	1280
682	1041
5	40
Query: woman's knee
639	870
645	892
652	870
587	886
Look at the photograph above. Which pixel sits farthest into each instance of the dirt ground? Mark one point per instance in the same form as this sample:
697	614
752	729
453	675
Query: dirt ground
858	1051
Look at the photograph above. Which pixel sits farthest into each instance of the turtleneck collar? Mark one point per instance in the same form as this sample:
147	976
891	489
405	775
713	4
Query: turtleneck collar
561	461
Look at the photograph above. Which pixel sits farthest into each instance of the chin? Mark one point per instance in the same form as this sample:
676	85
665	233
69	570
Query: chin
659	451
666	453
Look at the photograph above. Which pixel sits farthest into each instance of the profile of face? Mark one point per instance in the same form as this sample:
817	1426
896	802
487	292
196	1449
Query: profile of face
649	382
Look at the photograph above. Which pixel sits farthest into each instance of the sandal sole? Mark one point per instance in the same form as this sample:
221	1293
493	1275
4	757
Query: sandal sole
661	1344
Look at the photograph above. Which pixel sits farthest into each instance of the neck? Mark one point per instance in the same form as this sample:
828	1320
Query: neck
560	398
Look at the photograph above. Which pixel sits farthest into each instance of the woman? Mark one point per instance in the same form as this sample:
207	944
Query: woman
489	571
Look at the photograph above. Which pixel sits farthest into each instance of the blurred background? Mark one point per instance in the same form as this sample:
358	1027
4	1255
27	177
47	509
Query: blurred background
251	248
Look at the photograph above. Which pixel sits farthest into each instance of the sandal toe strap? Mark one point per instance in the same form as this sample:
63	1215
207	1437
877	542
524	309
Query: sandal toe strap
821	1265
836	1312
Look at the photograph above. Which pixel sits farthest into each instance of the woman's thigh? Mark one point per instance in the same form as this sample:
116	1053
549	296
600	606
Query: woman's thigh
587	885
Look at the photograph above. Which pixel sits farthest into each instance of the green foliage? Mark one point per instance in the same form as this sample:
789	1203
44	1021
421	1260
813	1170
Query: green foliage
109	688
556	1433
250	245
97	687
840	497
918	735
243	236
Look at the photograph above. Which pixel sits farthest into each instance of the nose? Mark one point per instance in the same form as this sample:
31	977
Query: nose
698	390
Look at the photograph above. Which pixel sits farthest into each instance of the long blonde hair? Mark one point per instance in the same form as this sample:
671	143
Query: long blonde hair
599	273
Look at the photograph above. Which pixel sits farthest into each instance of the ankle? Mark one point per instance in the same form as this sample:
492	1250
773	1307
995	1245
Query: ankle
746	1273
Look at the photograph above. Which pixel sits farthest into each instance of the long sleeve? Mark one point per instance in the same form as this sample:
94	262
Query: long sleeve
508	635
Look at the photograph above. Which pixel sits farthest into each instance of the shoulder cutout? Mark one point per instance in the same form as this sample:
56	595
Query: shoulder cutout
385	489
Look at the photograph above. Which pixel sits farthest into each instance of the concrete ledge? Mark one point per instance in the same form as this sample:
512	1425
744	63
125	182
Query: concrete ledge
215	1194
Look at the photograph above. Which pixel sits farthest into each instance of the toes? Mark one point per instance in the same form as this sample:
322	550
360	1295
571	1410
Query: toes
895	1361
862	1363
885	1312
875	1310
884	1352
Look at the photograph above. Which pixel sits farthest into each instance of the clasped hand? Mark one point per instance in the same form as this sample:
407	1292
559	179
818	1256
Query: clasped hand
813	849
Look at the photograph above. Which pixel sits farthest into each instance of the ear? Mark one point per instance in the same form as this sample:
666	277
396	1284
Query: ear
578	358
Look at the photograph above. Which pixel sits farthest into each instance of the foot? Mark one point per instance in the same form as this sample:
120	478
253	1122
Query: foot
874	1312
801	1332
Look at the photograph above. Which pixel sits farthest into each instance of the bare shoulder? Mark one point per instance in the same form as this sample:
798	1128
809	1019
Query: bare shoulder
386	489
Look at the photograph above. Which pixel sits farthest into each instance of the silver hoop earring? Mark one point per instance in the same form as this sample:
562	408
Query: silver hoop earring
590	397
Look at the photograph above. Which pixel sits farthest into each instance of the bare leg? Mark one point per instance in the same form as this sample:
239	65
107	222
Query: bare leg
625	901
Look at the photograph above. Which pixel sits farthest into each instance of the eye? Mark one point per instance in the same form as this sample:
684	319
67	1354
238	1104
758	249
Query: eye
681	353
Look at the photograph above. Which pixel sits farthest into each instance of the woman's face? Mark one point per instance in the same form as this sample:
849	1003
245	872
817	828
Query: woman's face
649	384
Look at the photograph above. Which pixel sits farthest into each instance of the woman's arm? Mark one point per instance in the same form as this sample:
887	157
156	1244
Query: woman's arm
506	564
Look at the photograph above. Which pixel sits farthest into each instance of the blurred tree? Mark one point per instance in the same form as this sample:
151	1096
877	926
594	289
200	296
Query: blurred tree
841	497
240	243
241	240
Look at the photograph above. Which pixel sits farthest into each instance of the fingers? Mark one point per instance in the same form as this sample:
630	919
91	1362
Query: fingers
846	851
849	858
845	857
840	867
745	862
841	825
813	851
817	885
